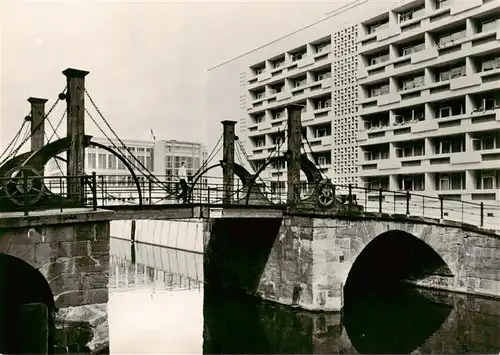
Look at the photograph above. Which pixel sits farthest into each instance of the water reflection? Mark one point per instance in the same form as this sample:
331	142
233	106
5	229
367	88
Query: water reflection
156	300
156	306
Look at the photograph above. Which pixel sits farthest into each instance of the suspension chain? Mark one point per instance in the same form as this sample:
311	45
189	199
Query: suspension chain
14	153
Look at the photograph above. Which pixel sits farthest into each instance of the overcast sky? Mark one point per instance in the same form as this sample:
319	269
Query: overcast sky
147	60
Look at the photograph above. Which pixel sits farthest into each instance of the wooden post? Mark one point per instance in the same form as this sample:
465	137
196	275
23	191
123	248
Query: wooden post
132	231
293	156
34	329
37	118
75	97
228	160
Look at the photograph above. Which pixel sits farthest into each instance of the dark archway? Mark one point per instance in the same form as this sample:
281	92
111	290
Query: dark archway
21	284
390	258
381	315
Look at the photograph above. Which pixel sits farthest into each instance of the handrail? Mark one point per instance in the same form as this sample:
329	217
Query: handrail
105	190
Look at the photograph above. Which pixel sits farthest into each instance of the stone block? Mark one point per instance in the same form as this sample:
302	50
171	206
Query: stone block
91	264
81	298
57	233
301	221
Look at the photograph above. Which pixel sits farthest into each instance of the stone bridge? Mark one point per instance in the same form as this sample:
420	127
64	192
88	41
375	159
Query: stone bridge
317	262
60	260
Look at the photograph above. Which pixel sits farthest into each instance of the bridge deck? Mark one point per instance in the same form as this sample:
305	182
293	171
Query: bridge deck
171	211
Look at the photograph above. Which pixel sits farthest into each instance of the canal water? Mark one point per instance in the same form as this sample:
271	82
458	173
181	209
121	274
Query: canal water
157	306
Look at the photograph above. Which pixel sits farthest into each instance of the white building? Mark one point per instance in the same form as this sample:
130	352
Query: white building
404	97
161	158
430	99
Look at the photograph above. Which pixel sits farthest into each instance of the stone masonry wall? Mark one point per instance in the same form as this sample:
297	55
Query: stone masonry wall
74	258
473	258
311	258
287	278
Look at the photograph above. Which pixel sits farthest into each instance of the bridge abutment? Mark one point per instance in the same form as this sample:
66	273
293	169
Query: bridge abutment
70	250
306	262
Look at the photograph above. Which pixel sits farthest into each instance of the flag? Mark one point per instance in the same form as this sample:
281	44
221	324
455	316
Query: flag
153	135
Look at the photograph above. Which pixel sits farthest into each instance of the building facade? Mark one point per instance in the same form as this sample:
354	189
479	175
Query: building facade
404	97
315	67
429	99
162	158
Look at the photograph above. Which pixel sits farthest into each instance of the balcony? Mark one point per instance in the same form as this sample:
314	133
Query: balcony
410	149
411	182
485	102
451	37
376	152
408	116
411	83
449	144
448	108
487	180
449	181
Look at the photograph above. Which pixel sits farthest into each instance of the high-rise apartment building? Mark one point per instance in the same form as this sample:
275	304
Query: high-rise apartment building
429	99
404	97
315	67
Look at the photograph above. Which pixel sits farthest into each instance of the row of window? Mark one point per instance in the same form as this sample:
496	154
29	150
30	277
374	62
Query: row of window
443	181
440	145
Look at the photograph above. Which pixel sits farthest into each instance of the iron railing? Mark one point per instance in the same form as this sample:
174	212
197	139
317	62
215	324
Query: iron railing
43	192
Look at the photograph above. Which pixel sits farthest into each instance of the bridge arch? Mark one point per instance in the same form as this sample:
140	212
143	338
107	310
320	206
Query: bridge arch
389	258
21	284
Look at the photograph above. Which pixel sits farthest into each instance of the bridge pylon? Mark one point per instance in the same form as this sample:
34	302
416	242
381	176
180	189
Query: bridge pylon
75	99
293	156
37	120
228	160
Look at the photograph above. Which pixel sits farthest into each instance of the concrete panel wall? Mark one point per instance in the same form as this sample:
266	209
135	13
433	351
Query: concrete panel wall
184	234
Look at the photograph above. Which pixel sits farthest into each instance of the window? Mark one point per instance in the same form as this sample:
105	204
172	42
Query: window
440	4
260	95
259	71
322	160
378	26
259	119
490	64
322	48
92	160
102	161
412	49
322	76
485	180
380	90
320	104
411	14
483	143
379	58
451	73
411	83
450	181
488	24
298	56
299	82
321	132
411	182
279	114
444	112
450	38
111	161
260	142
278	63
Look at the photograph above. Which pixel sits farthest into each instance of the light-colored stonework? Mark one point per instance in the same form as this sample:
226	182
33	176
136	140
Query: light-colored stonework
73	256
311	258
